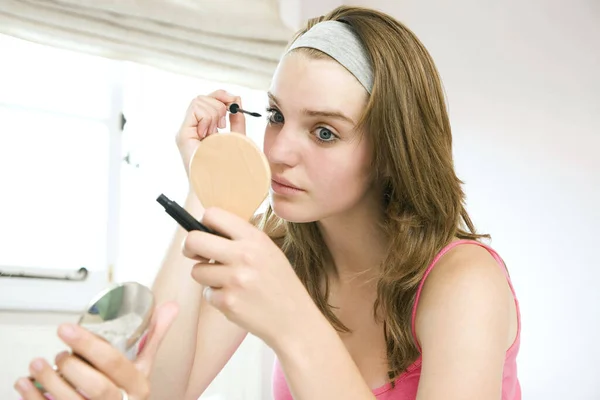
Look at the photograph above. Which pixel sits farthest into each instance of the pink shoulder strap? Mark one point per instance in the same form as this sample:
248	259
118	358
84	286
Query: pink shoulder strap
435	261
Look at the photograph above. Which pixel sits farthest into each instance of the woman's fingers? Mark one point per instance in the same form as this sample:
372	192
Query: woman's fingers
203	113
200	260
238	120
27	390
216	276
209	113
81	375
218	112
229	224
204	116
208	246
105	358
96	370
189	253
52	382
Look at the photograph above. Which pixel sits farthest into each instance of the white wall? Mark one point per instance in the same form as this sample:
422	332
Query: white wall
522	78
294	13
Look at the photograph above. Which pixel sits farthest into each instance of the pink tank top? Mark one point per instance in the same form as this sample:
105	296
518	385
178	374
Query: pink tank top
407	383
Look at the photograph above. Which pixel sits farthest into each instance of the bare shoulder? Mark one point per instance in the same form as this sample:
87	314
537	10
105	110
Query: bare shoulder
467	284
465	322
466	266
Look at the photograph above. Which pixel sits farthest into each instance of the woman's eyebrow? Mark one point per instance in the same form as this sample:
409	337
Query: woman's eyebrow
272	98
328	114
318	113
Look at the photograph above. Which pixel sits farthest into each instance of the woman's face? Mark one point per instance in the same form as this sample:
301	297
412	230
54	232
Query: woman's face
319	162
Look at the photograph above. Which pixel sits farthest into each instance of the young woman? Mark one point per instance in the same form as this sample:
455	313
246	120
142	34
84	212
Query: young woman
365	275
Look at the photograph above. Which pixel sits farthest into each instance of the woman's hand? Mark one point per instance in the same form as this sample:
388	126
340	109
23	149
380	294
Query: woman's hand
106	372
204	115
251	281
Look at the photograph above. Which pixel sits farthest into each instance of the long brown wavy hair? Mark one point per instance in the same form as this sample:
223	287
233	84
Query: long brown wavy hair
424	205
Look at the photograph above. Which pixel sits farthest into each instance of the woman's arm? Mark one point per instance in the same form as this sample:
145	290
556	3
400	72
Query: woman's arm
201	340
464	327
317	365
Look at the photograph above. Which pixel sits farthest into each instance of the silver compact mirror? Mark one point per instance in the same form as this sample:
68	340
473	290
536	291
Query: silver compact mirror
121	315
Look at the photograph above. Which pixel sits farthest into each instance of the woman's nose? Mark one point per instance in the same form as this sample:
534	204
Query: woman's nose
282	147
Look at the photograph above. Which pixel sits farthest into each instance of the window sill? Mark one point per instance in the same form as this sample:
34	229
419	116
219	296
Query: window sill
26	294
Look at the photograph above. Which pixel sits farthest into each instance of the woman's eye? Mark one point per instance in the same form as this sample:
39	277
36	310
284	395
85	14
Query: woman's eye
325	135
274	116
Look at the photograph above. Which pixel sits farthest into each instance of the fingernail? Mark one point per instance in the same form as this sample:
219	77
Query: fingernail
60	356
222	122
67	331
23	385
37	365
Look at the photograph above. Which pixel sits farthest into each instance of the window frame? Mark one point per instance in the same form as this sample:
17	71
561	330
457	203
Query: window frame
35	294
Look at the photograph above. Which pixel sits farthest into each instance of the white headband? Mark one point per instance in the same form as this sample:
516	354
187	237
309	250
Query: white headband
340	42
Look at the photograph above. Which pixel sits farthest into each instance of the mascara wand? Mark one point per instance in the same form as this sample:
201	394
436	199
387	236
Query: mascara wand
234	108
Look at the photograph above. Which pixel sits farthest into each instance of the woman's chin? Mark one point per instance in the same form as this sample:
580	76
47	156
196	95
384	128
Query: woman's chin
291	212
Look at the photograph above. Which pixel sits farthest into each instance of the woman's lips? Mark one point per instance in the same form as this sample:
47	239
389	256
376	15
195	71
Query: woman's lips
281	186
